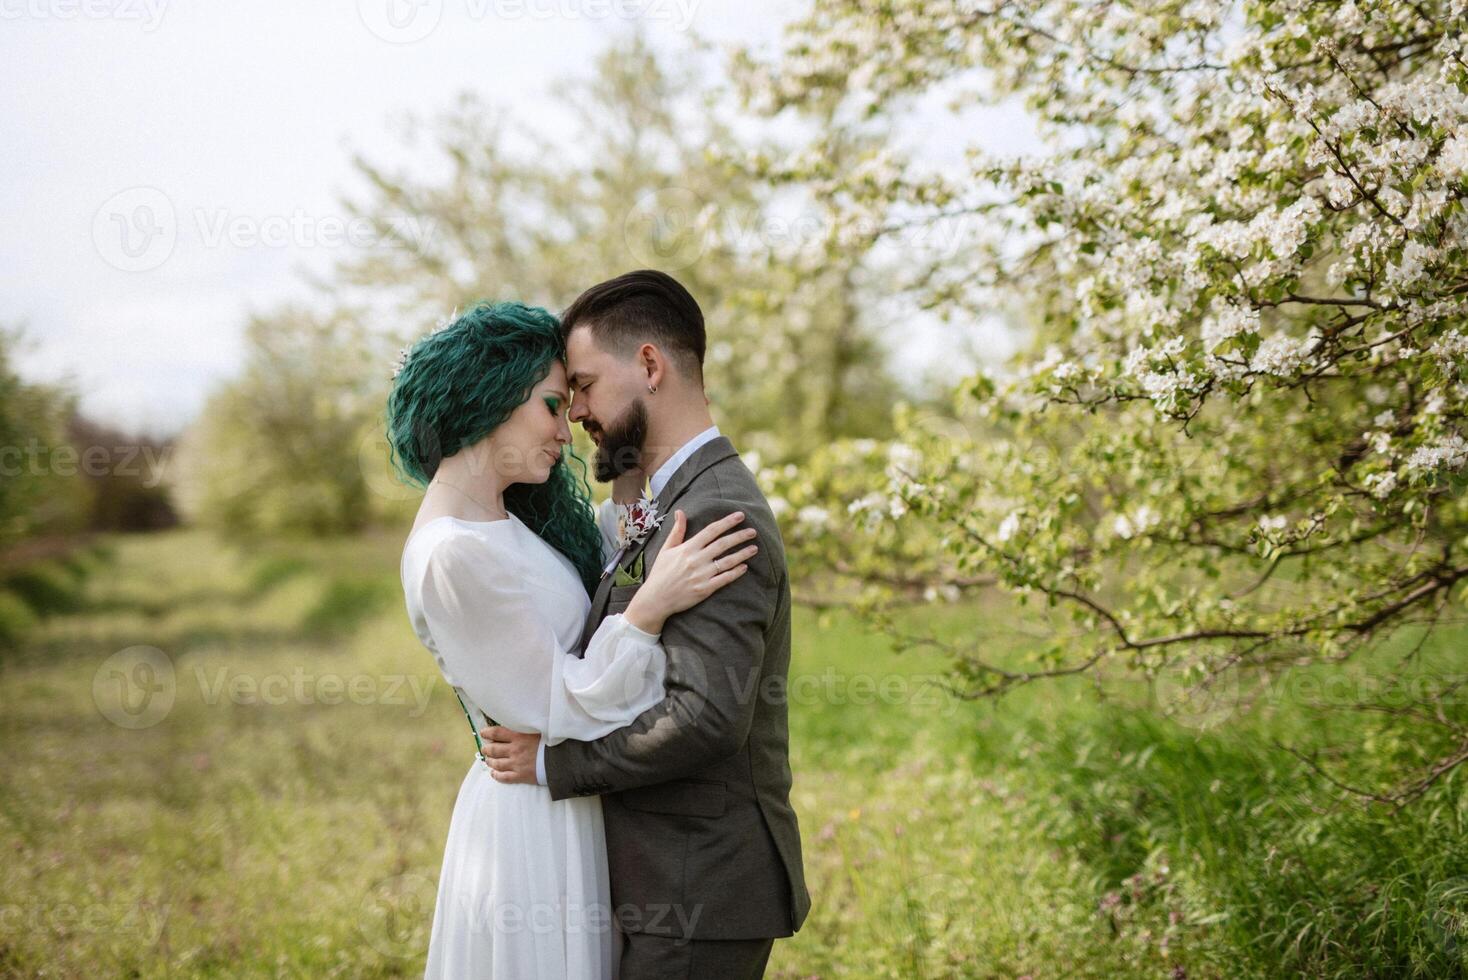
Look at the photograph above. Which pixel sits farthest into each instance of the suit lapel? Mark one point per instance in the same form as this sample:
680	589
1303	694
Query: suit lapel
715	451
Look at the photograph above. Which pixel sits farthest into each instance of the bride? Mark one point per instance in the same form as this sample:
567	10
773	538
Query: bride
497	573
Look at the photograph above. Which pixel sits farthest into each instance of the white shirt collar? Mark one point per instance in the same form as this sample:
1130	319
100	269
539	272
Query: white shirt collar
665	472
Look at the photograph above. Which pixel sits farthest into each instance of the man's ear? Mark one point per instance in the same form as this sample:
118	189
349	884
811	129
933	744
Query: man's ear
653	364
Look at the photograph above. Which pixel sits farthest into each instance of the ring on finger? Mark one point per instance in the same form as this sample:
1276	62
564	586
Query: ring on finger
716	566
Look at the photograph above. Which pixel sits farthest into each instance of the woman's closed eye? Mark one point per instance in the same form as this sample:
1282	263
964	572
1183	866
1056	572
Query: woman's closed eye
554	404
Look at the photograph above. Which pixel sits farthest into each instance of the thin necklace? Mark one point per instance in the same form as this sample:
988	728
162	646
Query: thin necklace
466	493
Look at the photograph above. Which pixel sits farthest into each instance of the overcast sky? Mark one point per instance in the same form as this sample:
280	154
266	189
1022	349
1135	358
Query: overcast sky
170	167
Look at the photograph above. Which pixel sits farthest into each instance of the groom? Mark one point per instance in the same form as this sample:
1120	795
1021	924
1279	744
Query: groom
702	843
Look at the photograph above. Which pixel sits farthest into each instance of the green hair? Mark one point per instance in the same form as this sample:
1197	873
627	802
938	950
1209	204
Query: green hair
458	384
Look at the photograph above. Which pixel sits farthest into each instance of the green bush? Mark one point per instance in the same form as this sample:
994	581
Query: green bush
48	587
15	618
275	570
1217	834
346	603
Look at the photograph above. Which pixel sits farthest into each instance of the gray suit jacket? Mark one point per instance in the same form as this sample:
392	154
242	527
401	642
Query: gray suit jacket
702	842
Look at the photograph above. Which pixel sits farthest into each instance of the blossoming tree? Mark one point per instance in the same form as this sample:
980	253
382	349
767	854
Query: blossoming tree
1236	448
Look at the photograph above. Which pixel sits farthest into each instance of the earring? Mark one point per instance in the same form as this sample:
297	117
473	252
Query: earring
652	389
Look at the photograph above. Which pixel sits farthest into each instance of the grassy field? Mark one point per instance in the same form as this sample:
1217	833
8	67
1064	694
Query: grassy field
240	763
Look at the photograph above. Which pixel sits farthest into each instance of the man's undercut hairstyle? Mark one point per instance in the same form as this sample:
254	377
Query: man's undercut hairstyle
642	307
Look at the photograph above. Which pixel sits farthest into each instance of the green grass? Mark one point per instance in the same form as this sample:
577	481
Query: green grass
284	811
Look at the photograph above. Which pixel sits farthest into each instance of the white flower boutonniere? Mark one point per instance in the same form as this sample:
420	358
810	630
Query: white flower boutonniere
636	521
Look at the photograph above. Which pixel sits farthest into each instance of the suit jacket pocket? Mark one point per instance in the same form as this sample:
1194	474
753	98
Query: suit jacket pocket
622	594
619	597
684	797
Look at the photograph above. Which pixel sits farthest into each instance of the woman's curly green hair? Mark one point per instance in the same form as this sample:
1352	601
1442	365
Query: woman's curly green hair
457	385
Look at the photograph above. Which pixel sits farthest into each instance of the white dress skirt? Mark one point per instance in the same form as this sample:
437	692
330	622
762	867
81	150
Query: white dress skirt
523	892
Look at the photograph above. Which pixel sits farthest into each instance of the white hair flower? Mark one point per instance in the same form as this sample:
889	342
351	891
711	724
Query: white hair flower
443	323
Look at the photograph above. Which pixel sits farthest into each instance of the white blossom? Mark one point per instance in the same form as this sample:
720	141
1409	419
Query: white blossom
814	518
1411	266
1279	354
1380	485
1450	451
1449	347
1271	523
1137	522
1452	159
870	508
1227	321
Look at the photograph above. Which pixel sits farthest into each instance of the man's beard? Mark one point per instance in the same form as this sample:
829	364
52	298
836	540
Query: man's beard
620	448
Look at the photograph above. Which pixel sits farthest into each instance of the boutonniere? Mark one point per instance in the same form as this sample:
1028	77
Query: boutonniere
635	521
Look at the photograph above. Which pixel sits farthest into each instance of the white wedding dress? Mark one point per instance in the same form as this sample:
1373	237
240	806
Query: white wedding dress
523	892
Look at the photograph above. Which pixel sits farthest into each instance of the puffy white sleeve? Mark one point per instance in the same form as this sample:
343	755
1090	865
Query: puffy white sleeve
494	645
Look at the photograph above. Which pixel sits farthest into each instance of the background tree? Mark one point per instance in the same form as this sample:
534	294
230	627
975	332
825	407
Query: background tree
648	181
36	495
278	450
1236	448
